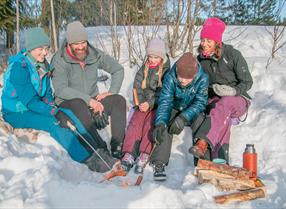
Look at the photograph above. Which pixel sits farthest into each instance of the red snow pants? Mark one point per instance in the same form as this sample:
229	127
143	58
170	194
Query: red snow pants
140	129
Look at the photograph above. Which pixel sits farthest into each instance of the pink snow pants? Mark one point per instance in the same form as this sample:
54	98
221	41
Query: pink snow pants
226	108
140	128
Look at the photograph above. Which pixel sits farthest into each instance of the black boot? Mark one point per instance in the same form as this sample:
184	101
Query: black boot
159	171
116	148
98	164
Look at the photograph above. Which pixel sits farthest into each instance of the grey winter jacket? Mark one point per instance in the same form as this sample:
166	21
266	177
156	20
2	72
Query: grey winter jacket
190	100
71	81
231	69
152	92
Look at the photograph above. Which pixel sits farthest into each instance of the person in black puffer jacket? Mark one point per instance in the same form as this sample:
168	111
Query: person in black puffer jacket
229	81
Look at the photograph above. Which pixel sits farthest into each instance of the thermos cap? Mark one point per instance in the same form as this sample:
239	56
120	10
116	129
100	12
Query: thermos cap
250	148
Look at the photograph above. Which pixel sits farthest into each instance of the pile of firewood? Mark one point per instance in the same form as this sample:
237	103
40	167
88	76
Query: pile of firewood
229	178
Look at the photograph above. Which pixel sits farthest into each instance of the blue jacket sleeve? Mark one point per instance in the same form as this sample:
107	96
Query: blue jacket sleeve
165	107
49	99
200	100
21	80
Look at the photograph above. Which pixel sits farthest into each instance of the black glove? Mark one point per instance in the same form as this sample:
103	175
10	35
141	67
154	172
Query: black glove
100	121
160	132
177	126
63	118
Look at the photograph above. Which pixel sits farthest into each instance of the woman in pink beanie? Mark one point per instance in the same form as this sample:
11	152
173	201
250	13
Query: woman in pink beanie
229	81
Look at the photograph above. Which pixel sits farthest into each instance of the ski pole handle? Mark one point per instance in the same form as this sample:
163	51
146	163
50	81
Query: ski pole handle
71	126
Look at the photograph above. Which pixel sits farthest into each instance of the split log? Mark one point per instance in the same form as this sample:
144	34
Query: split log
223	181
237	172
241	196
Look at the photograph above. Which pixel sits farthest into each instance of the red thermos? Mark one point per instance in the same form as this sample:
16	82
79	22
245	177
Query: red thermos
250	160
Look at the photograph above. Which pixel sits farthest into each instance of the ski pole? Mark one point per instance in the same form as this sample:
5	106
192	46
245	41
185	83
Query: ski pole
140	177
73	128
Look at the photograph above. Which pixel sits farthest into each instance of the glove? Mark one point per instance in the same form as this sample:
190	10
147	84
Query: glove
100	121
177	126
224	90
63	118
160	132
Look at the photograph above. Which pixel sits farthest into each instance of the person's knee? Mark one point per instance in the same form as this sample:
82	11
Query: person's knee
77	102
119	101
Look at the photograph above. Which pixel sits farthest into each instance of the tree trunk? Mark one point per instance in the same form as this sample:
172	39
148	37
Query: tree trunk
55	38
17	27
9	39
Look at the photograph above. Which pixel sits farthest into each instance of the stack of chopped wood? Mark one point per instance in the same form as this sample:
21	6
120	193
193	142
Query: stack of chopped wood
230	178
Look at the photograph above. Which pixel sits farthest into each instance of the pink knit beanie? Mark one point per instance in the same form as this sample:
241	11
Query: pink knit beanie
213	29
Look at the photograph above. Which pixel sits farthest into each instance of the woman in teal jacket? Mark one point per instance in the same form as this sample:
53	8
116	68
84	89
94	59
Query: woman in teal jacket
27	100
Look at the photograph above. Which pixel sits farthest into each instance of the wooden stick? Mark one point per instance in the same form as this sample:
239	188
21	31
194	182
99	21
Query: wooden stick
135	97
140	177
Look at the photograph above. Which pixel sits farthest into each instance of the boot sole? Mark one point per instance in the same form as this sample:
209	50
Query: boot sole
160	178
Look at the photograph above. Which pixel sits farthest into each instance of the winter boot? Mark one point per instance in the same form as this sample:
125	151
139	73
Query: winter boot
127	162
199	149
107	157
159	171
143	159
116	148
95	163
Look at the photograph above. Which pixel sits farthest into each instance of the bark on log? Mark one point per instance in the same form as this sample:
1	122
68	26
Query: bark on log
241	196
238	173
223	181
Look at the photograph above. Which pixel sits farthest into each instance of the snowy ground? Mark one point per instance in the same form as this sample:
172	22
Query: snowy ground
42	175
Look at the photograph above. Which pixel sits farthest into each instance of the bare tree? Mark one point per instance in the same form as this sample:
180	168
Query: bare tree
149	15
182	25
113	29
17	27
55	38
277	33
193	29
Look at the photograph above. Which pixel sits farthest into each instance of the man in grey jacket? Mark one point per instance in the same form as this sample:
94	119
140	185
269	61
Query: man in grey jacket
75	78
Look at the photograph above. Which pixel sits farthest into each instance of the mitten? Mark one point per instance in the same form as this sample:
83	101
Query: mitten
224	90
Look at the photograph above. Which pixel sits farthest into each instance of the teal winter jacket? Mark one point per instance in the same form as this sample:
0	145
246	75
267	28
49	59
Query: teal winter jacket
25	88
190	100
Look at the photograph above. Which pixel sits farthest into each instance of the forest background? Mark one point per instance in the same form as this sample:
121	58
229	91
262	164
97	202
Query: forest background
181	20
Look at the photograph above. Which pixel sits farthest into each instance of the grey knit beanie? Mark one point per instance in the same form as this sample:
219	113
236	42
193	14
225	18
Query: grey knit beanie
35	38
76	32
156	47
